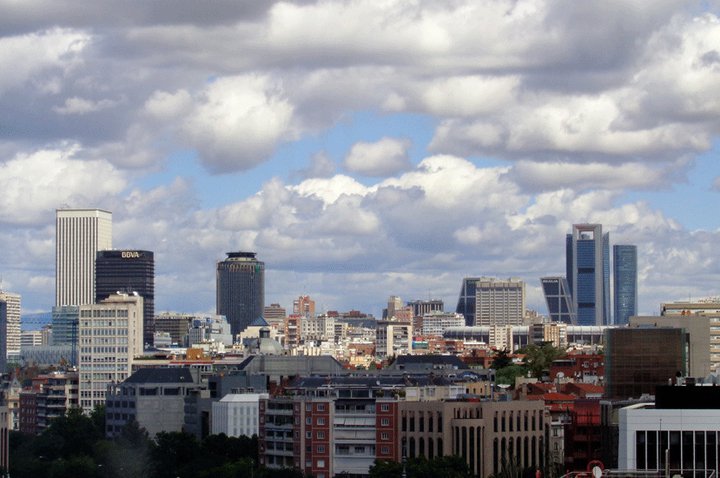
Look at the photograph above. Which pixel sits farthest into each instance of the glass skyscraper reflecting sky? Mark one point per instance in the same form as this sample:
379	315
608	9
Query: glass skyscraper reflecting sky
625	282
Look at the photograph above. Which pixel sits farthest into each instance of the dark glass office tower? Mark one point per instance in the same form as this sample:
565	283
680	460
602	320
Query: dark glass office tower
128	271
466	300
558	299
588	273
625	283
240	292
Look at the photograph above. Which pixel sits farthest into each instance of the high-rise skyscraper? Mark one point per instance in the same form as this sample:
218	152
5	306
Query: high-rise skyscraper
9	327
466	300
625	291
240	289
128	271
79	234
558	299
499	302
588	273
488	301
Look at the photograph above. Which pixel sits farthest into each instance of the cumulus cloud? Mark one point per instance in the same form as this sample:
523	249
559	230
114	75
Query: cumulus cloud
590	101
237	122
23	56
35	184
382	158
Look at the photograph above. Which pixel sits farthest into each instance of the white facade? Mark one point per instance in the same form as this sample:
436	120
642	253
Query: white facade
693	437
31	338
111	335
435	323
11	322
393	338
79	235
499	302
237	414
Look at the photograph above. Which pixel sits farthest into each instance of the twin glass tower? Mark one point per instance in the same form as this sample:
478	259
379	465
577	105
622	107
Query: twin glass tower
588	277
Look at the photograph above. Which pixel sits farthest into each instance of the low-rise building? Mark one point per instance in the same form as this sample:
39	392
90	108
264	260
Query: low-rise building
237	414
154	397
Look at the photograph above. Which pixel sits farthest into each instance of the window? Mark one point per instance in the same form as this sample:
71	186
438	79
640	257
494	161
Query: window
320	449
385	422
384	436
308	435
321	421
320	407
320	464
308	407
320	435
385	450
385	407
308	421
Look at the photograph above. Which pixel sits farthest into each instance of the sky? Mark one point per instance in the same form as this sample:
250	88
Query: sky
363	148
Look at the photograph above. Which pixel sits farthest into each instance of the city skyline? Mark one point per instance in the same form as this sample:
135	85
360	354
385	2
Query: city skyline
408	147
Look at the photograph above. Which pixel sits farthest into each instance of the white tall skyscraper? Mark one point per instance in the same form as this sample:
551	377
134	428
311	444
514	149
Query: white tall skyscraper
9	326
79	235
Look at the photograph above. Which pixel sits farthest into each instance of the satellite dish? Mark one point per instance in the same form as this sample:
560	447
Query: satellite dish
596	471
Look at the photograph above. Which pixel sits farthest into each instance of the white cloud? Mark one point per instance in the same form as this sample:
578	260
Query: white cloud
237	122
81	106
167	106
539	176
381	158
23	56
35	184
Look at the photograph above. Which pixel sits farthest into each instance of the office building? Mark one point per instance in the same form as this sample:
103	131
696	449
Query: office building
31	338
625	282
154	397
9	327
679	433
177	325
466	300
65	324
79	235
559	300
691	311
699	333
637	360
240	289
128	271
499	302
436	322
422	307
588	273
110	336
393	337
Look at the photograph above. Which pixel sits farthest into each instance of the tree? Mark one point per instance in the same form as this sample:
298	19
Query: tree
539	358
501	359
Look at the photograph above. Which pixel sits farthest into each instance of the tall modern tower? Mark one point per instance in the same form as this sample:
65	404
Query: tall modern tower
79	234
559	300
240	289
625	291
588	273
128	271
